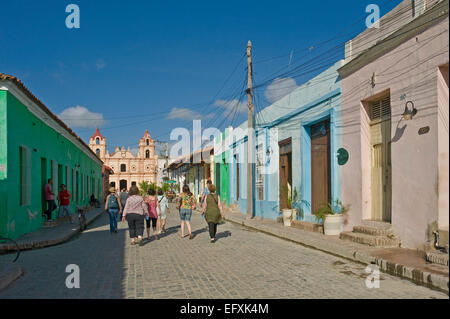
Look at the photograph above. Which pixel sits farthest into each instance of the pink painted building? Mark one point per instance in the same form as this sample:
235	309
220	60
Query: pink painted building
395	115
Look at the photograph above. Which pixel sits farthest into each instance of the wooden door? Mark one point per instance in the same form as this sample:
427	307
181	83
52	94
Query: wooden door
285	171
380	140
320	165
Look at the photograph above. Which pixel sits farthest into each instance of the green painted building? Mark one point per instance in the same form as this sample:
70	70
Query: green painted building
221	170
34	146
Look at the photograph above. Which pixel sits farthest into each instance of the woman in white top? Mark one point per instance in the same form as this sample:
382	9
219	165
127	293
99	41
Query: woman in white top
164	205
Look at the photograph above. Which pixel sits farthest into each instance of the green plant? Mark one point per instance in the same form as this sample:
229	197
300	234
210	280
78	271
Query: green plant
145	186
332	208
299	203
165	187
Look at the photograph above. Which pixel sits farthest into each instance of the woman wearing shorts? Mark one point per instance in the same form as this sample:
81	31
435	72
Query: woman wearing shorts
186	204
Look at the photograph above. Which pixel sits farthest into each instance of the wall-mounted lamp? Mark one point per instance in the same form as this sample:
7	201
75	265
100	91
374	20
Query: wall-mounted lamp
269	151
409	114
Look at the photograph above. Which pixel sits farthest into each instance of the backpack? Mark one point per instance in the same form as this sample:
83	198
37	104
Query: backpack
112	202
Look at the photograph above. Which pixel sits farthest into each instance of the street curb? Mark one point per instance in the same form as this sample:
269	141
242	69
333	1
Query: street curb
417	276
9	275
53	242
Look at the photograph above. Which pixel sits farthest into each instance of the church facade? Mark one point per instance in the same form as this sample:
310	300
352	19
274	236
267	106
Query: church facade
128	169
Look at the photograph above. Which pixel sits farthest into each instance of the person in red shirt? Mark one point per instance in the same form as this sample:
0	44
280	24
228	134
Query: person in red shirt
64	203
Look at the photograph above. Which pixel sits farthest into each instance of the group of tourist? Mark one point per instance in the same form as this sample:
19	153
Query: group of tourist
150	211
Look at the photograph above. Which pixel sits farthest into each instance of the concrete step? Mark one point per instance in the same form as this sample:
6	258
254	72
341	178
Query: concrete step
375	241
374	231
437	257
376	224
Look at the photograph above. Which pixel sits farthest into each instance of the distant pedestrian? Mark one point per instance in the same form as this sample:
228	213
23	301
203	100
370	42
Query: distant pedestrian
212	208
135	211
164	208
64	203
113	207
205	193
94	201
123	199
153	206
50	199
186	204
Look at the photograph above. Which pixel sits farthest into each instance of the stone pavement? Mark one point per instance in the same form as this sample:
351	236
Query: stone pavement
241	264
405	263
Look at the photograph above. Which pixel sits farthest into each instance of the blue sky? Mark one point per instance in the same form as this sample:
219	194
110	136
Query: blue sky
137	65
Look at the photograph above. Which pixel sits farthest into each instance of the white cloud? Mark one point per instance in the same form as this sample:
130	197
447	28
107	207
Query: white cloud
231	106
278	88
100	64
186	114
79	116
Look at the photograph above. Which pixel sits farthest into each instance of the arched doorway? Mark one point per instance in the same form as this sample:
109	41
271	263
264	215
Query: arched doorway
123	184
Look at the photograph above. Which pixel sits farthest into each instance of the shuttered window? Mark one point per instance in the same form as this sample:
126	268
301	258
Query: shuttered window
25	176
259	182
380	109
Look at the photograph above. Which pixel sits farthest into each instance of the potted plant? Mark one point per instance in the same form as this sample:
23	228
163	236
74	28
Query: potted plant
288	212
332	216
298	203
294	206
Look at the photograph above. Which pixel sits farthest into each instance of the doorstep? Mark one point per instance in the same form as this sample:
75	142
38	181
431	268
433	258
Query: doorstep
50	236
401	262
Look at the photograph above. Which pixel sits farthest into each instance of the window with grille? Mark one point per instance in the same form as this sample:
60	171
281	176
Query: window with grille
259	182
25	176
380	109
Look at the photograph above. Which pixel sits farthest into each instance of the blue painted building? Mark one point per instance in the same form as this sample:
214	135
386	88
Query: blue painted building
296	143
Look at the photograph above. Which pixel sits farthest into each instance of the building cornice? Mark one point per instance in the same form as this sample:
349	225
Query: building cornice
39	110
429	18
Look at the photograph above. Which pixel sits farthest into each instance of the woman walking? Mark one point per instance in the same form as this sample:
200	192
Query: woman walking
212	208
112	207
153	205
134	212
186	204
163	209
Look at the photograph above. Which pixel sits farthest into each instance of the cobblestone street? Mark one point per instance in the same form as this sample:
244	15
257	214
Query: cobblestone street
241	264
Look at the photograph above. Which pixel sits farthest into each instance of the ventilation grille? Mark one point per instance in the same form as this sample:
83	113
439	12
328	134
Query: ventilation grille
380	109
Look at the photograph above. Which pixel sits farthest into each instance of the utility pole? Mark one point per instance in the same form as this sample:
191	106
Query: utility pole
250	171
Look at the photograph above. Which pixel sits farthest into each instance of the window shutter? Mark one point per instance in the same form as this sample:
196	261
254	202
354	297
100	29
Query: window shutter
25	177
380	109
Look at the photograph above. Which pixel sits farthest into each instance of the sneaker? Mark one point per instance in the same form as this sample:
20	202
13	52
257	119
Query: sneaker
212	241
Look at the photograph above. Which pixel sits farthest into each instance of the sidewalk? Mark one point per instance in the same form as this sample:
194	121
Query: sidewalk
45	237
401	262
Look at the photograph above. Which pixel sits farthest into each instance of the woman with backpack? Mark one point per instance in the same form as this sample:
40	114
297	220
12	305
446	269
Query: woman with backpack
164	209
186	203
113	207
152	219
212	208
134	212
